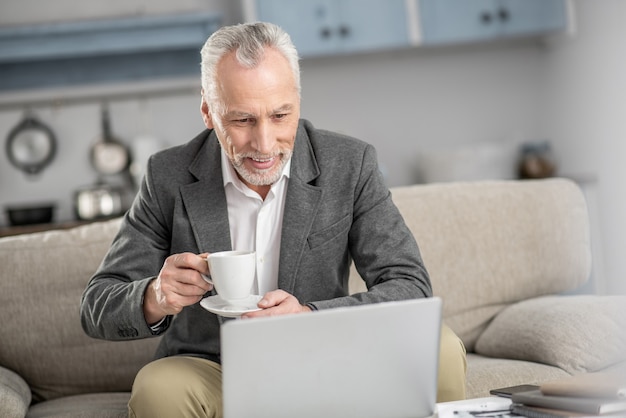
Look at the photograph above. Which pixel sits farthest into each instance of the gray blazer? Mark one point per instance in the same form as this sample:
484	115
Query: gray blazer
337	209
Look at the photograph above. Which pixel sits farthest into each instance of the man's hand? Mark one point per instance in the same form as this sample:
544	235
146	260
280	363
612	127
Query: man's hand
178	284
277	302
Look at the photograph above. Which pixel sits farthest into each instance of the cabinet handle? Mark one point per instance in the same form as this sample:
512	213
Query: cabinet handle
344	31
504	15
325	32
485	17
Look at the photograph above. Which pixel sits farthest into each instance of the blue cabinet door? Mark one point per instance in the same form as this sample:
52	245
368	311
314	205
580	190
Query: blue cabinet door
452	21
127	50
323	27
457	21
312	24
533	16
372	24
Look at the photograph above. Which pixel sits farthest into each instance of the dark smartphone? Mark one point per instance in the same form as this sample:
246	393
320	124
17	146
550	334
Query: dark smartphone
510	390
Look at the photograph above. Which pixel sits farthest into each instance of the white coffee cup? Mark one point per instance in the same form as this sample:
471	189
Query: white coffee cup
232	273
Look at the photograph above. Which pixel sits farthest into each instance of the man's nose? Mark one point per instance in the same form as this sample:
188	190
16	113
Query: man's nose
264	138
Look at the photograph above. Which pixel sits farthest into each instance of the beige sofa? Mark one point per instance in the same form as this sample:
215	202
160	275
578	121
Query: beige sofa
497	252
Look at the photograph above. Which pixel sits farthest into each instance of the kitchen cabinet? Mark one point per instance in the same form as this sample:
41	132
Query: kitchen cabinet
100	51
459	21
327	27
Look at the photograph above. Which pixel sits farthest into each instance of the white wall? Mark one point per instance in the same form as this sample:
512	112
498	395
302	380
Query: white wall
418	100
403	102
585	101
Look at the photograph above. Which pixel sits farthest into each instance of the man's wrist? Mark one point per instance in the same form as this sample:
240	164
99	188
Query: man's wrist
159	326
151	312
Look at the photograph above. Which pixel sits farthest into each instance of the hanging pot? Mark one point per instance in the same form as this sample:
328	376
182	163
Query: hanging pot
109	155
98	202
31	145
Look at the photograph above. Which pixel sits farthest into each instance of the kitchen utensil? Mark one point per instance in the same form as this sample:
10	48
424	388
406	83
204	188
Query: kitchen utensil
30	214
536	161
109	155
98	201
31	145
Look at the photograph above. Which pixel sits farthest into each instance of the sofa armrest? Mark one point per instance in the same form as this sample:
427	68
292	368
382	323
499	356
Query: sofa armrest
15	394
582	333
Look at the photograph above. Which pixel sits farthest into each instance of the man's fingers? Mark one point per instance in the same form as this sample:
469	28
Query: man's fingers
273	298
180	282
277	302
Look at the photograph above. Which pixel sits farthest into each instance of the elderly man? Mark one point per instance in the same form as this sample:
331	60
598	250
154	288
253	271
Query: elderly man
308	201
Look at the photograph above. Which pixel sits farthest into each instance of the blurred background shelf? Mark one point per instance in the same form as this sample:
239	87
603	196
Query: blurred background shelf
130	49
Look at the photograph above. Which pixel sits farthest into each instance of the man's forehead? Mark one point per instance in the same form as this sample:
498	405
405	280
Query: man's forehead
234	111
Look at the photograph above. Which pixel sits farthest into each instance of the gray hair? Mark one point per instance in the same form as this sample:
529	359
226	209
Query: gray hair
249	41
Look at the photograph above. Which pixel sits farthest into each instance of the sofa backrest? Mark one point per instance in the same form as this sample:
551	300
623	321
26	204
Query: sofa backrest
489	244
42	277
485	244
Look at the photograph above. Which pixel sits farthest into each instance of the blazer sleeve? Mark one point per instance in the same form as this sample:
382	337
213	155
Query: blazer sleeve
383	249
111	305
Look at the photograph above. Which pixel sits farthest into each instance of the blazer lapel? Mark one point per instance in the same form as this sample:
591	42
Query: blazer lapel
205	203
205	200
301	205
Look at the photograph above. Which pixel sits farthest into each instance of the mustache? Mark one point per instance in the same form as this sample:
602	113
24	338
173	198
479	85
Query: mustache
260	156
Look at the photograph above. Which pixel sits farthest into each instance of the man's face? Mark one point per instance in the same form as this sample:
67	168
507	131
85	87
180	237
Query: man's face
261	110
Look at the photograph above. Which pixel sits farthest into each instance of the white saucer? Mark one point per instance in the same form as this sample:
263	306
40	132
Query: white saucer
231	309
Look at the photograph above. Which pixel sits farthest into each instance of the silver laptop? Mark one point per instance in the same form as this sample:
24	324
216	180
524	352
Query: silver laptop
377	360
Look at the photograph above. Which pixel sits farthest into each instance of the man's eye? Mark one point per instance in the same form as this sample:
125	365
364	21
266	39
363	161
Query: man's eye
280	116
243	120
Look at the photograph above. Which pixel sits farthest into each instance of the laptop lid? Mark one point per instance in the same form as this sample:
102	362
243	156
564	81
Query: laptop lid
375	360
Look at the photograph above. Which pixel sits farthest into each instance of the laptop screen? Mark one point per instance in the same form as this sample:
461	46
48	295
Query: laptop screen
376	360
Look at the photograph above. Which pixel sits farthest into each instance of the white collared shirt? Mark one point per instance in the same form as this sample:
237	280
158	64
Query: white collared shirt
256	224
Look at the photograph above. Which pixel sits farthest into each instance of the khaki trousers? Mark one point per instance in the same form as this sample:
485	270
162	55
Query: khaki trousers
182	386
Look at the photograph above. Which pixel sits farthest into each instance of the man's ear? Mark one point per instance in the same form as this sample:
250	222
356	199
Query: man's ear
206	114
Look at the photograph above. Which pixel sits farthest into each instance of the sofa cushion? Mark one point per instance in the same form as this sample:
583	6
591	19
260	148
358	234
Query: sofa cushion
486	373
14	394
93	405
489	244
43	277
582	333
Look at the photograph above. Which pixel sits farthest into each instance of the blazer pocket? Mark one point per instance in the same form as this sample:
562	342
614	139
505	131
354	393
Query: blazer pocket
338	228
